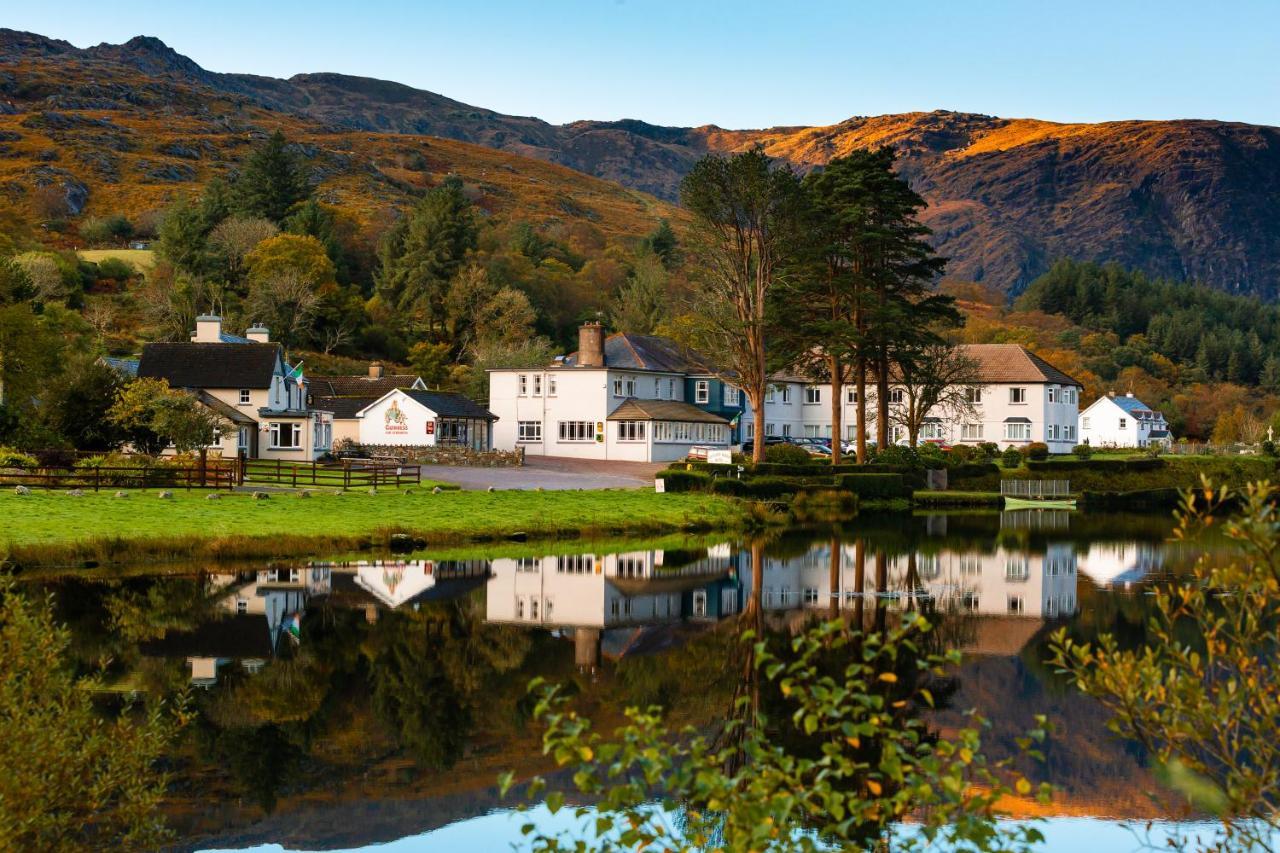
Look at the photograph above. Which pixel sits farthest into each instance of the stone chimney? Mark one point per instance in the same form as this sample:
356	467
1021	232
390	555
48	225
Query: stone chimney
258	334
1111	394
591	344
208	329
375	370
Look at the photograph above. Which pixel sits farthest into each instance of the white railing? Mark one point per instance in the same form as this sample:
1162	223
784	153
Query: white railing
1035	488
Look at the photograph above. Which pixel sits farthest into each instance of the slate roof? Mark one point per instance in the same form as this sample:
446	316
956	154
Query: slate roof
342	407
663	410
228	411
241	635
1014	363
447	404
359	386
1133	406
127	367
191	365
646	352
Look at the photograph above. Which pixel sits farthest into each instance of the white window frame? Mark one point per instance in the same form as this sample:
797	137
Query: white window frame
537	384
702	391
973	395
523	385
1053	394
851	395
1017	432
786	395
576	432
528	432
279	428
551	385
812	395
896	395
1017	396
770	393
631	431
971	432
245	396
617	387
732	395
1124	424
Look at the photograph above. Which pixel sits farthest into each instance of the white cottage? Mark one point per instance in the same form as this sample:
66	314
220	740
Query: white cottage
416	418
1126	421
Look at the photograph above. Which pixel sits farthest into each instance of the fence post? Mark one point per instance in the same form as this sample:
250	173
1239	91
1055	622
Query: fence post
294	470
97	475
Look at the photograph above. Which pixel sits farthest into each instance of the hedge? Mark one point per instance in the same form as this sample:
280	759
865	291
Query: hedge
684	481
874	485
972	471
756	487
1112	465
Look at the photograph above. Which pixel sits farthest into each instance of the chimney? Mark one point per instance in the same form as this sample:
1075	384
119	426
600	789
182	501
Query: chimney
1111	394
258	334
1129	395
591	344
208	329
375	370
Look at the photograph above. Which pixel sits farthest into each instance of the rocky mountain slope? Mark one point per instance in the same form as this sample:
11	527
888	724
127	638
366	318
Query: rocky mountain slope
1186	199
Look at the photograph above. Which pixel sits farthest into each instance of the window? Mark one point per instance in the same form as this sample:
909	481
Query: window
751	430
812	431
678	431
899	433
1017	432
702	391
537	384
973	395
1124	424
786	430
577	431
657	389
551	385
671	389
1051	432
524	385
969	601
971	432
631	430
576	564
1084	423
629	386
896	395
1053	394
285	436
1069	432
1069	395
699	602
851	395
770	429
732	395
242	438
1016	568
528	564
809	595
519	607
812	394
529	431
1016	605
786	395
1017	396
769	393
851	432
533	607
970	564
244	396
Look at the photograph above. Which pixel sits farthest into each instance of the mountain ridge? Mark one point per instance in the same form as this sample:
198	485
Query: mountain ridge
1190	199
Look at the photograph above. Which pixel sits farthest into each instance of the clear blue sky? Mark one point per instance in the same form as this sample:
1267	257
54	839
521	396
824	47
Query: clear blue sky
738	63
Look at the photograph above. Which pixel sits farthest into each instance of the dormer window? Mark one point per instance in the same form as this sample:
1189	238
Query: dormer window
244	396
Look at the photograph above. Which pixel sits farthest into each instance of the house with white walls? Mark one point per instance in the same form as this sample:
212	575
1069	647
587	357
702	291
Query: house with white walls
623	396
247	381
1123	421
411	417
345	396
645	398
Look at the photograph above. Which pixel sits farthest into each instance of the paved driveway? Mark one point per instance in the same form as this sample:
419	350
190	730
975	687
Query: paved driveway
548	472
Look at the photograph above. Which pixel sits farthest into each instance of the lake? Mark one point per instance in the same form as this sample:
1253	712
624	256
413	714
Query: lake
362	700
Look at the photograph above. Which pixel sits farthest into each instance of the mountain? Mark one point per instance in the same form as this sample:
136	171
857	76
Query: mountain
1183	199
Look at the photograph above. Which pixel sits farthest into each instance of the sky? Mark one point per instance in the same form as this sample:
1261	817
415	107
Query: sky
737	63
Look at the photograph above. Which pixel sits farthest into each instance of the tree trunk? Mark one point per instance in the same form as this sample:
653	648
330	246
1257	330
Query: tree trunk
757	415
882	401
861	410
837	407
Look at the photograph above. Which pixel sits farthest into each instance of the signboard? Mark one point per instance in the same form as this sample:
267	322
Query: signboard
394	420
431	427
720	457
659	485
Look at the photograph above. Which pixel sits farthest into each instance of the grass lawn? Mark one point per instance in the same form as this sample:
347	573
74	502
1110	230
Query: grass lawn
48	526
141	259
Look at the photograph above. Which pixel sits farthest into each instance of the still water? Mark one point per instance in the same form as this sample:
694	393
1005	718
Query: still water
351	702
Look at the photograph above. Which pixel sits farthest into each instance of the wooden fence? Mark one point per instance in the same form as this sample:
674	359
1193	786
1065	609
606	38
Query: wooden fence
344	474
216	475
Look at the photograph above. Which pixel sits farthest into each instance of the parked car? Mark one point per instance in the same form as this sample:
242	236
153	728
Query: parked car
748	446
814	446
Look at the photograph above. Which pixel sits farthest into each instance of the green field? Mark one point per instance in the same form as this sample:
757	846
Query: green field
141	259
48	526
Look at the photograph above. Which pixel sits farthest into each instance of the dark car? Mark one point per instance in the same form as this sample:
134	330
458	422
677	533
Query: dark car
749	446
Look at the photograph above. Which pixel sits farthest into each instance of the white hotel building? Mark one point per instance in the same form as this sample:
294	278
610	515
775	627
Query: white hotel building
646	399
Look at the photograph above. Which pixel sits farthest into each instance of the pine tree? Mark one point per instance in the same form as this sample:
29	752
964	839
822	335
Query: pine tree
663	243
272	181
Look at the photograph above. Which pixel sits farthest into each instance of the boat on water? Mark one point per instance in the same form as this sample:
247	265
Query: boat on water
1039	503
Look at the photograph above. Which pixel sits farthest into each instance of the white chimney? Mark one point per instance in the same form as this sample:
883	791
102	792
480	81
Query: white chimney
208	329
375	370
258	334
1129	395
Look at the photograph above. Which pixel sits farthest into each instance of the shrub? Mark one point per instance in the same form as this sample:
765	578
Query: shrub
961	453
1269	447
989	449
874	485
1012	458
896	455
1037	450
10	458
103	230
787	454
684	481
931	456
1082	451
115	269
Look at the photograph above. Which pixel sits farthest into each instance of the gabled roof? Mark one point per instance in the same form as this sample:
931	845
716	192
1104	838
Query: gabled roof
633	409
359	386
191	365
342	407
126	367
445	404
627	351
242	635
1013	363
1132	405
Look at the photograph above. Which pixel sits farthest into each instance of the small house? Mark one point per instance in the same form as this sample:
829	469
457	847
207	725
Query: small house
1123	421
417	418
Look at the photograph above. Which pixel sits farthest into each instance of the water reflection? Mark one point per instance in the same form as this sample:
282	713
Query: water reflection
397	686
